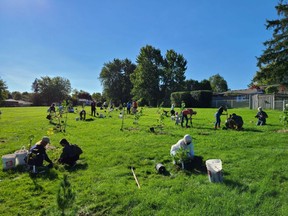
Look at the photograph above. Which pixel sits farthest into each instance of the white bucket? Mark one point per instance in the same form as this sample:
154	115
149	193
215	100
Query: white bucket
214	170
9	161
20	156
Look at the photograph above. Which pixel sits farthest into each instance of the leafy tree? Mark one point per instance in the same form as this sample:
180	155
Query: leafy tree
273	63
146	78
84	95
173	77
115	79
54	89
3	90
26	96
218	83
191	85
16	95
98	98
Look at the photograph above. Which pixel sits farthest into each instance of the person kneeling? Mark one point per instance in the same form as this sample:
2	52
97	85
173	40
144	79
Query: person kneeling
70	153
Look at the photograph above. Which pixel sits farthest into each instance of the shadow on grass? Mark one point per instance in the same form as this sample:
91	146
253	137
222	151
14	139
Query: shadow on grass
251	130
190	169
236	185
79	166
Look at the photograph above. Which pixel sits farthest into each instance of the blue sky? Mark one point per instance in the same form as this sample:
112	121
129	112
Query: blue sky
73	39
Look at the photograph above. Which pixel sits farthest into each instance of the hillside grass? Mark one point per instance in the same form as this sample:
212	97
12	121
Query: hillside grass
254	165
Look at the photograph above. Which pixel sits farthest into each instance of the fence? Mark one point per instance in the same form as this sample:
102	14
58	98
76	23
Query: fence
231	103
271	101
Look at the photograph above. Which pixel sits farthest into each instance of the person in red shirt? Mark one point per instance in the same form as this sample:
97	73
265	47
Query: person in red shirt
185	114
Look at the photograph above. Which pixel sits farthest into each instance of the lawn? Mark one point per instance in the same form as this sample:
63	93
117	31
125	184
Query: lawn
254	165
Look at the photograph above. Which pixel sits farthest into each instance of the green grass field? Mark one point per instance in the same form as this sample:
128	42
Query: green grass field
254	165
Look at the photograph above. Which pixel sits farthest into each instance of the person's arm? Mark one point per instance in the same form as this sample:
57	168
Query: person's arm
191	150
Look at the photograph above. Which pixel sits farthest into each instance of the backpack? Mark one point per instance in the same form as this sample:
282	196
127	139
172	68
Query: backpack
76	149
34	158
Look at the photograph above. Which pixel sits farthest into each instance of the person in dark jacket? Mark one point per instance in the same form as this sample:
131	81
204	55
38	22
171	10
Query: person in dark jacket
93	108
261	115
235	122
68	155
218	114
37	153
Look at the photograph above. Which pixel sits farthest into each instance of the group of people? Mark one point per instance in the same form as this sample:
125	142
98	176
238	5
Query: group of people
186	115
37	153
235	121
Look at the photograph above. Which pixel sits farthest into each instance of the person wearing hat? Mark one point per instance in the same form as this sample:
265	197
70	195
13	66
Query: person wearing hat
185	144
37	153
69	154
261	115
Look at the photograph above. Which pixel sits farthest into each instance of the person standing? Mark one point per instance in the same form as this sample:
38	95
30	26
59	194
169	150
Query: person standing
218	114
129	107
93	108
172	111
134	107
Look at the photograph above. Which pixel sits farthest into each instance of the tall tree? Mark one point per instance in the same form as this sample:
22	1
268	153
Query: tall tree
146	78
54	89
3	90
218	83
273	63
173	76
115	79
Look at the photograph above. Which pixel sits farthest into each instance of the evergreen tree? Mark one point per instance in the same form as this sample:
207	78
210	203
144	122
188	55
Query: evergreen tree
273	63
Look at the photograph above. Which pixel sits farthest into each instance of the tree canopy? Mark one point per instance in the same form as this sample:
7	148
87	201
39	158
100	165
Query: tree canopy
273	63
218	83
146	78
115	79
50	90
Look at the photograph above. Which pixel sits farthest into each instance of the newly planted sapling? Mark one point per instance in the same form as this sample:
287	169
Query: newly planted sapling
65	196
284	116
137	116
181	157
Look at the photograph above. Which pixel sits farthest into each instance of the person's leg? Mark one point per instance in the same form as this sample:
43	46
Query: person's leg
182	120
186	118
217	123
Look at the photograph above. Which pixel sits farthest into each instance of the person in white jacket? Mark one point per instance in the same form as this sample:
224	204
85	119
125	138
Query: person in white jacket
184	143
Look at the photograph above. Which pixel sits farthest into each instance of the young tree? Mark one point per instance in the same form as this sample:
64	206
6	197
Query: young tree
218	83
273	63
